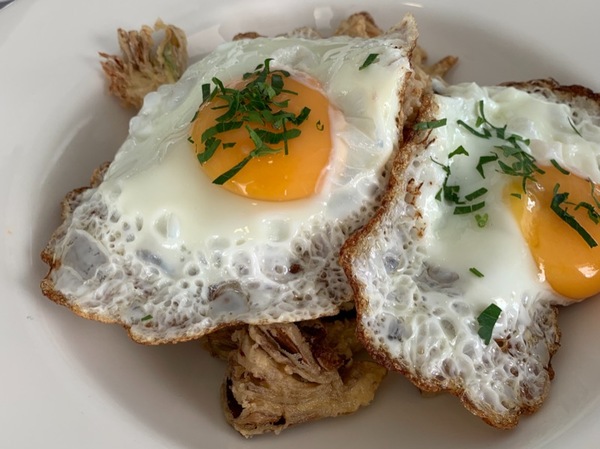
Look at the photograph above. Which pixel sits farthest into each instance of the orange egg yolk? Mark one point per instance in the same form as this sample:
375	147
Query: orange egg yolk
278	176
567	262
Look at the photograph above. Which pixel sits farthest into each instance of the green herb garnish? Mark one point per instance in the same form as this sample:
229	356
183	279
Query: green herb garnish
515	160
476	272
205	92
487	320
591	210
560	198
370	60
507	155
485	134
476	194
559	168
261	149
252	108
146	318
559	205
430	125
481	219
462	210
483	160
460	150
451	193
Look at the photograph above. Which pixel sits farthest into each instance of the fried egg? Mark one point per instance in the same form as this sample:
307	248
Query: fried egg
161	248
457	278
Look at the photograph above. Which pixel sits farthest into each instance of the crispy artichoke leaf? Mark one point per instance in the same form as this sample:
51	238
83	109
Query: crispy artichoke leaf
286	374
149	58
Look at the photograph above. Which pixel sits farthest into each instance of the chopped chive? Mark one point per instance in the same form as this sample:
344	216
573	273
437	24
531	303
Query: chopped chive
205	92
481	219
146	318
284	136
476	194
370	60
516	195
485	160
591	210
274	138
218	129
301	117
430	125
557	200
476	272
460	150
211	146
485	134
224	177
487	320
450	194
446	168
276	82
462	210
559	168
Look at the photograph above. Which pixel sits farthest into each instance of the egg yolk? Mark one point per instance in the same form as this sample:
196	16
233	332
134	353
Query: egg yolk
277	176
568	263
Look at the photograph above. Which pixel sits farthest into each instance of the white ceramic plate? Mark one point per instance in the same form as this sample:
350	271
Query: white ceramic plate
66	382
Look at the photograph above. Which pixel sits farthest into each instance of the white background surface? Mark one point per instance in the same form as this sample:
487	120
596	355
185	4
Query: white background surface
70	383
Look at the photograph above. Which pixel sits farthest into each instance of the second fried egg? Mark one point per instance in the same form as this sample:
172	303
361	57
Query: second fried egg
458	277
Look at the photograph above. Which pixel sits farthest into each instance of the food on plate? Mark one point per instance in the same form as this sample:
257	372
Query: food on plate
161	248
284	374
488	225
150	58
360	24
429	211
